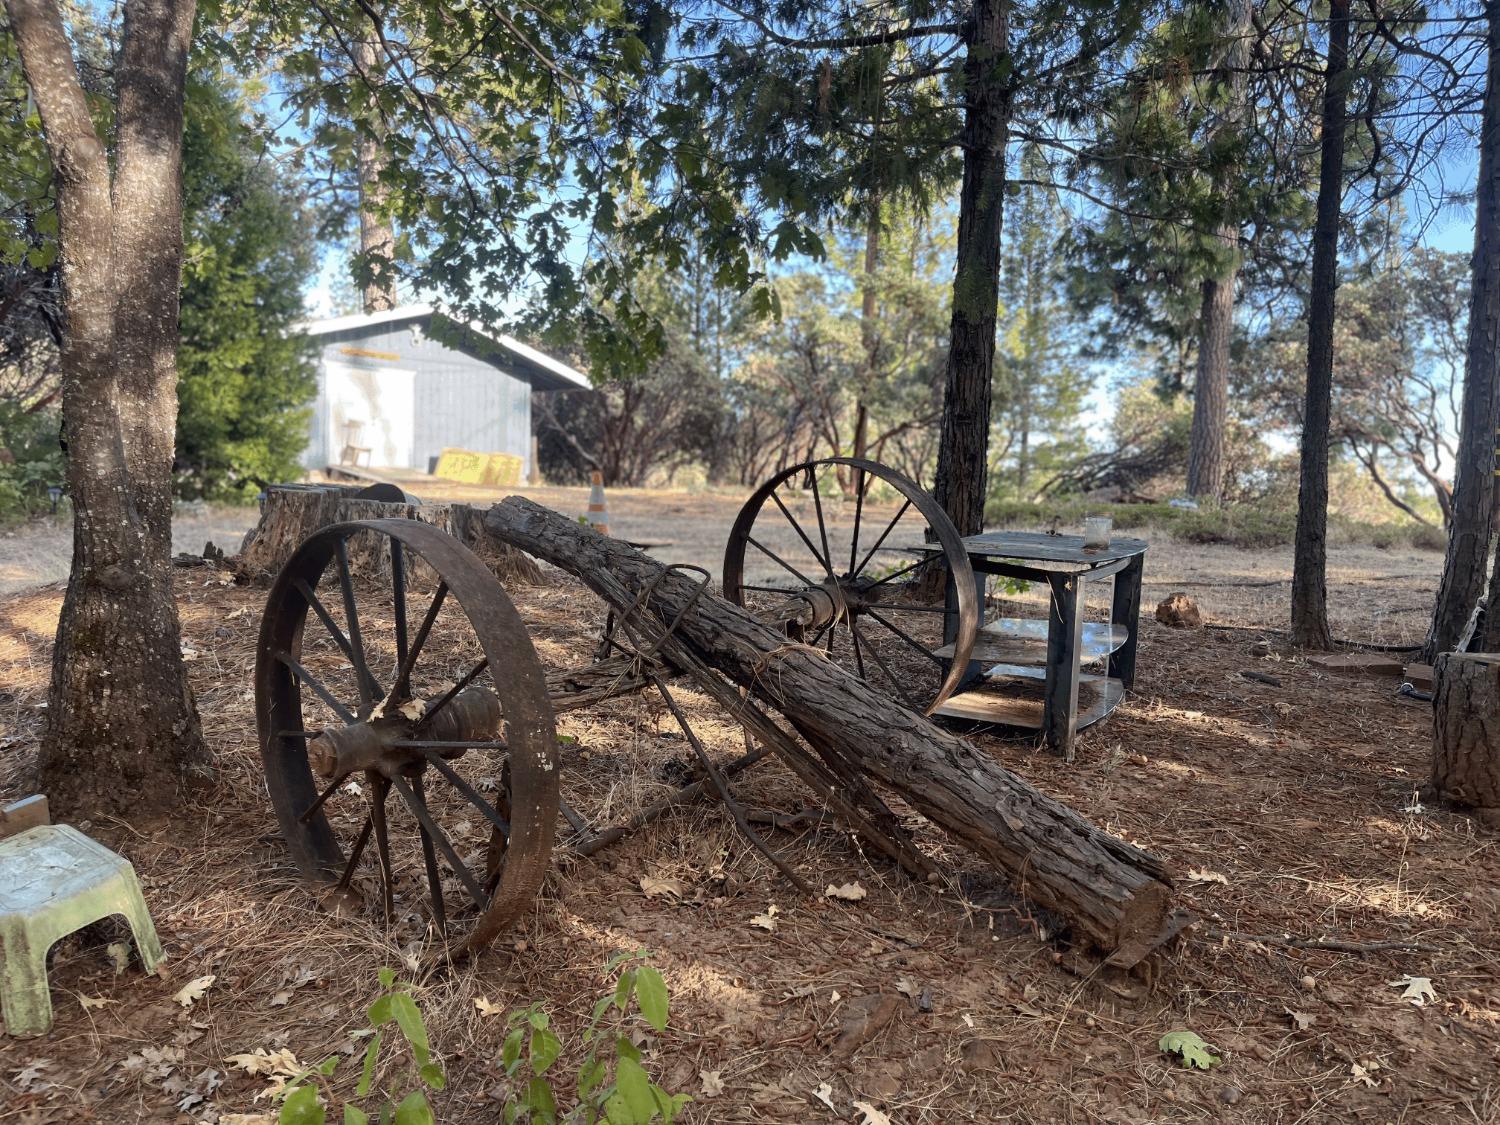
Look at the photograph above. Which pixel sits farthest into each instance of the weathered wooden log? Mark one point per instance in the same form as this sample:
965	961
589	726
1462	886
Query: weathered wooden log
1466	732
293	512
1115	895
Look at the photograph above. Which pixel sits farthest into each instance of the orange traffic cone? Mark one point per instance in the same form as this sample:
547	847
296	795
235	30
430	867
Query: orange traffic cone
598	516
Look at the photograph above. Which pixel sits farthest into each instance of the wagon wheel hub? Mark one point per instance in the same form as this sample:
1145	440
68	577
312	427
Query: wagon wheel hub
393	743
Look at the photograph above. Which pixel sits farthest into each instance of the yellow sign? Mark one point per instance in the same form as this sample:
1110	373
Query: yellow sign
468	467
368	354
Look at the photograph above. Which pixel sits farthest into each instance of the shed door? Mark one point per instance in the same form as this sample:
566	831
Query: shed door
370	410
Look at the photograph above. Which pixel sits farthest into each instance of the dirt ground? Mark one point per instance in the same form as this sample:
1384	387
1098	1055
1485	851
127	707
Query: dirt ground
1290	815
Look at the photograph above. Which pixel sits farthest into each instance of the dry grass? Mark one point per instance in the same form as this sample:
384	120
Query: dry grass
1300	797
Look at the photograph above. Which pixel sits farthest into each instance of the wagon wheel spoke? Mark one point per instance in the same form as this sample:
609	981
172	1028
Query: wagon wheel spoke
316	686
398	598
379	789
822	526
859	659
880	663
861	483
402	687
911	641
823	559
356	851
369	688
433	835
774	557
889	578
475	797
321	611
890	527
464	681
323	797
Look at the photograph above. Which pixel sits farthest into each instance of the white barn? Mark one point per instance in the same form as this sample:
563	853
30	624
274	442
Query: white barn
409	382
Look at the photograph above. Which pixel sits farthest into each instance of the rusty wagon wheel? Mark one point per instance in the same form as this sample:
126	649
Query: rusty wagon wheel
377	723
856	541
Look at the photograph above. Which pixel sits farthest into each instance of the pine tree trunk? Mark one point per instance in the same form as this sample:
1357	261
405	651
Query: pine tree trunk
377	243
1310	557
1205	472
964	446
1466	732
121	731
1205	469
869	328
1474	491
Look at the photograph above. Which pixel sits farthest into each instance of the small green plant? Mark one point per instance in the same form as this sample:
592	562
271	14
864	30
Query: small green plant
612	1084
302	1097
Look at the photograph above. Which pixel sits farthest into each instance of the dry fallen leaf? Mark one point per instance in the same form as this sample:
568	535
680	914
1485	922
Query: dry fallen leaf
413	709
29	1077
1301	1021
766	921
653	887
488	1007
872	1116
850	892
1364	1073
1418	990
94	1001
713	1083
824	1094
261	1061
193	991
280	998
1204	875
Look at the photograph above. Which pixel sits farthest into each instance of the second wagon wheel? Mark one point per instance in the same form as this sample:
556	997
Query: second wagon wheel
856	541
407	709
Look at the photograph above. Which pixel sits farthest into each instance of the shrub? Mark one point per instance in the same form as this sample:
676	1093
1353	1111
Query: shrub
32	439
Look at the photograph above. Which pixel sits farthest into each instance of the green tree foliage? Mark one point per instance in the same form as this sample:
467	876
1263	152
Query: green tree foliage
1157	160
1398	351
244	373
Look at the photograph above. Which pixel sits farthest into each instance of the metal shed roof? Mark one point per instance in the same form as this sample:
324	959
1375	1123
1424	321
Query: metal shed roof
541	370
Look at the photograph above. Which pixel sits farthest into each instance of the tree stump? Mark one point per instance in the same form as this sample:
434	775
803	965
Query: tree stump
1466	732
294	512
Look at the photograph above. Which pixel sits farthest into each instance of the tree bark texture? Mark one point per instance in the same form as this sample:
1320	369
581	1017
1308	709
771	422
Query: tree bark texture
377	242
1466	732
1205	469
1474	488
1114	894
121	728
1310	556
293	514
869	328
963	449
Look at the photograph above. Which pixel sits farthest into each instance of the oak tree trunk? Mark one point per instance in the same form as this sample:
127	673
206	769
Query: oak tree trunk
963	449
1466	732
1309	562
1474	489
121	729
1114	894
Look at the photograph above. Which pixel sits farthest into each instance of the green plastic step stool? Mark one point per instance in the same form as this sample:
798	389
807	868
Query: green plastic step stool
55	880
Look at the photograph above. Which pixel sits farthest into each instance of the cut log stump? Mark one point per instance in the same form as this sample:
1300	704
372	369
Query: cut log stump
1116	897
293	512
1466	732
